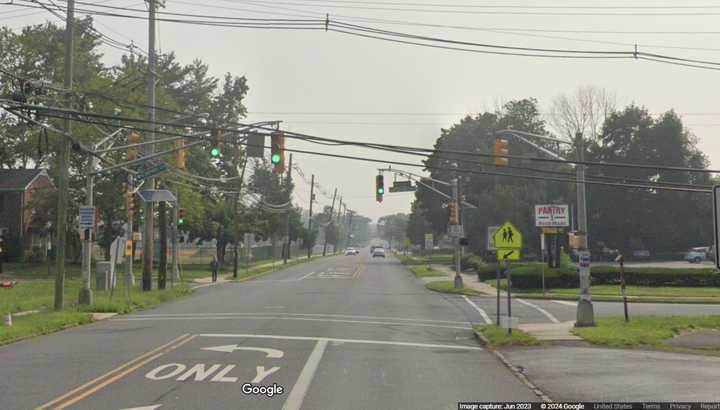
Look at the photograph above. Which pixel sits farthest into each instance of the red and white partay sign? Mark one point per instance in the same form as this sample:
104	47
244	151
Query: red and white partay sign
552	216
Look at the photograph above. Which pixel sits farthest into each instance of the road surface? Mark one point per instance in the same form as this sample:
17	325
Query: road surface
341	332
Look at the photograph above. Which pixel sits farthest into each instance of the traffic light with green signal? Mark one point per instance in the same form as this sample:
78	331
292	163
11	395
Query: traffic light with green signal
277	151
215	143
379	187
181	216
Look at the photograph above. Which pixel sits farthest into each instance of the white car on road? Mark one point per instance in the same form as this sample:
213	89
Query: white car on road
378	252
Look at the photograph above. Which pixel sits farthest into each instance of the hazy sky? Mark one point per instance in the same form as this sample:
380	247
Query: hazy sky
333	85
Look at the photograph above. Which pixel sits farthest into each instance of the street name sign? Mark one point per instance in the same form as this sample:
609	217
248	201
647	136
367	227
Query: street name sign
552	216
157	169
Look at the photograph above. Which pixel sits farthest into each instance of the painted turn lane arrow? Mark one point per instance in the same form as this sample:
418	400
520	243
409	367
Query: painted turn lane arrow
269	353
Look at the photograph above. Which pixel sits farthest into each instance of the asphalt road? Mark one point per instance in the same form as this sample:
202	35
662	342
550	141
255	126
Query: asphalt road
342	332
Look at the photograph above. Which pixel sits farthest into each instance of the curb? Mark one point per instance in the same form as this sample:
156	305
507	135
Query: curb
544	397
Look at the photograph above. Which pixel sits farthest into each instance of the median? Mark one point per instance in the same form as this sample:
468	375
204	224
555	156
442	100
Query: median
494	336
448	286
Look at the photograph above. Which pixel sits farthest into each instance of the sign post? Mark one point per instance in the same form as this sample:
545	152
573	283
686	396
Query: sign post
429	244
508	241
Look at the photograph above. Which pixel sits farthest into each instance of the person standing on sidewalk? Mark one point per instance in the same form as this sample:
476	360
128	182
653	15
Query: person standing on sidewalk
214	266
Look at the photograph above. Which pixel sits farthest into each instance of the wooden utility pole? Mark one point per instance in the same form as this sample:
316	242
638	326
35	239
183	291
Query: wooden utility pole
149	234
332	211
62	204
288	181
312	199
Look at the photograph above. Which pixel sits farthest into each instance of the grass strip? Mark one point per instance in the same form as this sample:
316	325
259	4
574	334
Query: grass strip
40	324
426	272
449	287
499	337
643	331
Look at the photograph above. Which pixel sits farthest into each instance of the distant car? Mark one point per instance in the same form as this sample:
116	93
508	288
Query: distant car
378	252
351	251
698	254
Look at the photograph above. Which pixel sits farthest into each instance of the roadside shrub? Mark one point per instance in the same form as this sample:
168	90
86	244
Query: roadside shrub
471	262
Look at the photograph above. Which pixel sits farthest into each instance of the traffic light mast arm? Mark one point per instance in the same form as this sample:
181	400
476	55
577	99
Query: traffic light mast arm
145	158
522	136
419	180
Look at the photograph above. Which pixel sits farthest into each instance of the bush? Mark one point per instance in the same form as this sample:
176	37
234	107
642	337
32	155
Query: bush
471	262
528	276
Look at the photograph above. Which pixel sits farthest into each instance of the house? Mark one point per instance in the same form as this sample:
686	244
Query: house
17	189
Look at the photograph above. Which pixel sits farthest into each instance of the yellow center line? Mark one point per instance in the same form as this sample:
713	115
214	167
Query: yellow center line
112	376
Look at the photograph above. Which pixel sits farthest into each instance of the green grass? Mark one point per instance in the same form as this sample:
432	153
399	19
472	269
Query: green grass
34	295
41	323
498	337
643	331
417	260
449	287
138	299
426	272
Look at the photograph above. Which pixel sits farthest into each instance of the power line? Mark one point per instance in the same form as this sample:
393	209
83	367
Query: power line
377	146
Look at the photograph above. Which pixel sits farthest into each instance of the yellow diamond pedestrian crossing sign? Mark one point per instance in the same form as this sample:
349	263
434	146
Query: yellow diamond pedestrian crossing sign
508	237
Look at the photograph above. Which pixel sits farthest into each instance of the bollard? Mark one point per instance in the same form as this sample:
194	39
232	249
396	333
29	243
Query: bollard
8	320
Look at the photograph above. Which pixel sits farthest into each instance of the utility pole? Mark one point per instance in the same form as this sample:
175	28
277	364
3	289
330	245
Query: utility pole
458	283
149	234
349	229
461	213
337	237
174	275
235	215
312	199
162	263
288	181
332	211
129	235
85	296
64	160
585	314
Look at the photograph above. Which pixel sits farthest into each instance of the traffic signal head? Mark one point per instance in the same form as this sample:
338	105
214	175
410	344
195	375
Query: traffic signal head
277	151
215	145
129	203
501	152
453	217
133	138
181	216
180	154
379	187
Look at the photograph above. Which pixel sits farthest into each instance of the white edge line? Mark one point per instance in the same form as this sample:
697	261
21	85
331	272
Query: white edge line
302	385
331	339
366	322
299	314
484	315
305	276
541	310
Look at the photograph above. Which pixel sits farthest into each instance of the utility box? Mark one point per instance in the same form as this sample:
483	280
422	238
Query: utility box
102	275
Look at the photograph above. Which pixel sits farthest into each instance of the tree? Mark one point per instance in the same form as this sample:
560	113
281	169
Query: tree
392	228
586	110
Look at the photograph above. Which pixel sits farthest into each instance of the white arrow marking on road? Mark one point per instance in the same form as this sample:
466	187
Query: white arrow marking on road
144	407
270	353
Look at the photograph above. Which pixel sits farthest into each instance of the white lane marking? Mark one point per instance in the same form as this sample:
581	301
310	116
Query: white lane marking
199	371
144	407
154	374
539	309
221	376
262	373
362	322
305	276
484	315
269	353
565	302
299	390
335	340
299	314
